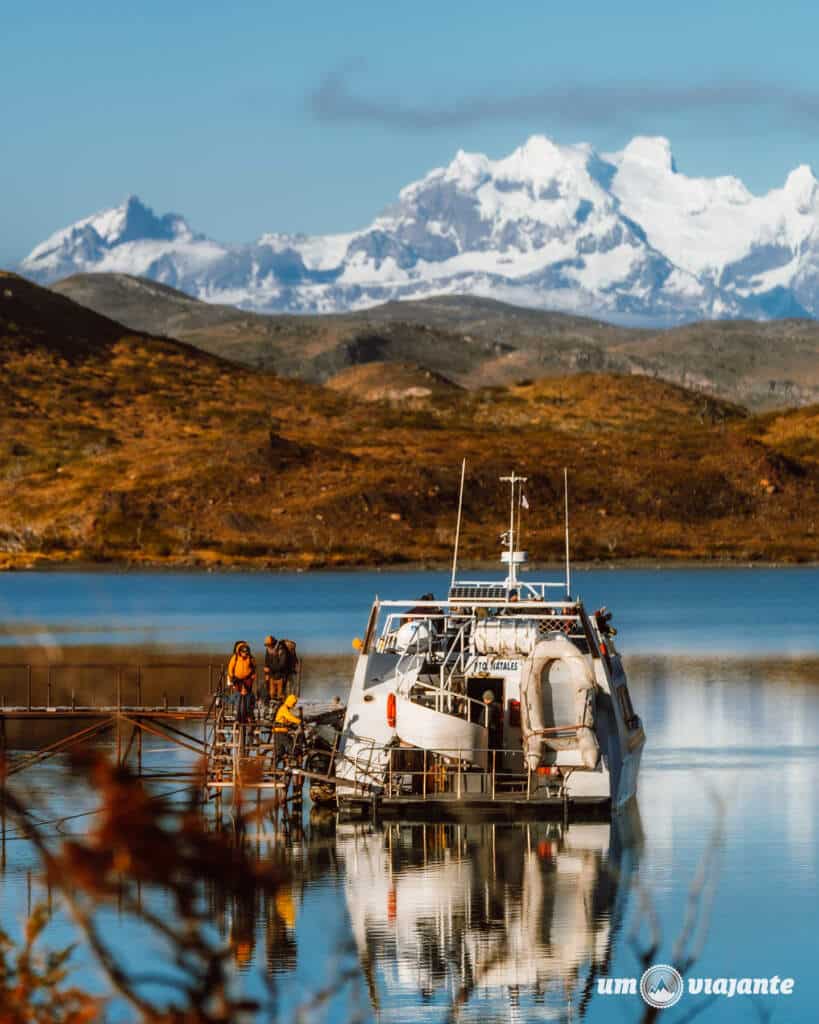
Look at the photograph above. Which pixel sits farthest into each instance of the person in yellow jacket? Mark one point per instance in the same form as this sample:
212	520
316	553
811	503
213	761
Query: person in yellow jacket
285	717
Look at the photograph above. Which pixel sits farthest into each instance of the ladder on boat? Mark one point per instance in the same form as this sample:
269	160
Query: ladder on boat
250	754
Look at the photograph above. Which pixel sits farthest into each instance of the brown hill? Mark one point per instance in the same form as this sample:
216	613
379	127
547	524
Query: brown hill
392	382
35	318
477	342
121	446
795	432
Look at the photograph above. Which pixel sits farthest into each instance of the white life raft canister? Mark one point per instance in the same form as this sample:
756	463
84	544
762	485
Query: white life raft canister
557	648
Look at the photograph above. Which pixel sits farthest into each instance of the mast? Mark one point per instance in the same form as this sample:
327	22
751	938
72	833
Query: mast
458	526
512	533
513	480
566	525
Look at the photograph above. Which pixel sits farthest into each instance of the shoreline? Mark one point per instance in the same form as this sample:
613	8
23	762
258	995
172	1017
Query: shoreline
106	654
160	568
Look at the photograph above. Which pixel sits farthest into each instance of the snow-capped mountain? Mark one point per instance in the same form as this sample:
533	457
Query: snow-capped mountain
624	236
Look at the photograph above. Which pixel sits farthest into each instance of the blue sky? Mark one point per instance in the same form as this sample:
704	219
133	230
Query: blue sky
256	117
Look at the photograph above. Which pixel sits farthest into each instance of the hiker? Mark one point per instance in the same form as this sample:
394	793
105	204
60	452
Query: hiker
241	668
241	677
288	734
280	662
286	719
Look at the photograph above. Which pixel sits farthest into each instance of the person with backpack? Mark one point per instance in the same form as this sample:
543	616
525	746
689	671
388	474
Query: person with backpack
241	670
241	678
280	663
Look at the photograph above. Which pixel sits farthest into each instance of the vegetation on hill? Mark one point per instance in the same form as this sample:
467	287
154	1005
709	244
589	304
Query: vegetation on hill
119	446
476	342
392	382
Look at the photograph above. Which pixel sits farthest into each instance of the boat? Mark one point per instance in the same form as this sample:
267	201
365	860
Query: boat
507	695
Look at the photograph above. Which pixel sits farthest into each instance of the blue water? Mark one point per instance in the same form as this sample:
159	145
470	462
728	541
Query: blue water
717	611
518	922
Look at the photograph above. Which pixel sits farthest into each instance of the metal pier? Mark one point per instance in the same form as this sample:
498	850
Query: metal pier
226	754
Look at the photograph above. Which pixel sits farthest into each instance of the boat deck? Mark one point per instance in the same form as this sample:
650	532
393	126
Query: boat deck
449	806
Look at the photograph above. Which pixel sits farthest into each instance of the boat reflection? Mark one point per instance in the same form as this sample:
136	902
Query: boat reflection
489	921
519	915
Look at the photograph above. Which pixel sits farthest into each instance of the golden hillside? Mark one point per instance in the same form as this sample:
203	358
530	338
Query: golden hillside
119	446
392	382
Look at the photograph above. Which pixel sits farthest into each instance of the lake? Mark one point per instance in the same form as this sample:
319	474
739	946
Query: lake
681	611
513	921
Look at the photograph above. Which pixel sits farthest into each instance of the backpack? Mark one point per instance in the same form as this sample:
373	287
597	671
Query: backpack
292	657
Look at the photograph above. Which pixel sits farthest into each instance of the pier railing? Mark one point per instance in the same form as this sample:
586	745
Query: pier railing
31	685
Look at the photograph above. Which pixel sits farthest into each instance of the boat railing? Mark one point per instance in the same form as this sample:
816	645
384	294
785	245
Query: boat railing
366	774
448	702
438	608
456	653
388	641
422	774
450	652
443	643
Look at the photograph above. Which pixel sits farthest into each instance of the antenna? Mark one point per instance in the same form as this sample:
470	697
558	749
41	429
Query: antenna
520	520
512	578
458	527
512	532
566	522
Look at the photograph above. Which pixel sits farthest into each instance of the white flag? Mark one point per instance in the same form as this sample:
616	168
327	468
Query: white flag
524	503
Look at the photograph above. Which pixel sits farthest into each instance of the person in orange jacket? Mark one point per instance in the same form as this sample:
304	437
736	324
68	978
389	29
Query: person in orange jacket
241	677
241	670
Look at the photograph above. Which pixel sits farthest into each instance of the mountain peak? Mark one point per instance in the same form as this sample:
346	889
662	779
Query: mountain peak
113	223
801	185
87	243
622	236
538	149
651	151
540	159
134	220
468	169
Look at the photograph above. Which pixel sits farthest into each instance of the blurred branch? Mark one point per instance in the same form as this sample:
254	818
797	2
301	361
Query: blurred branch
136	839
32	984
701	894
690	941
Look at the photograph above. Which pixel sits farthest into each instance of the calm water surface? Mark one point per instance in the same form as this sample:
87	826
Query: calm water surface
722	611
517	922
